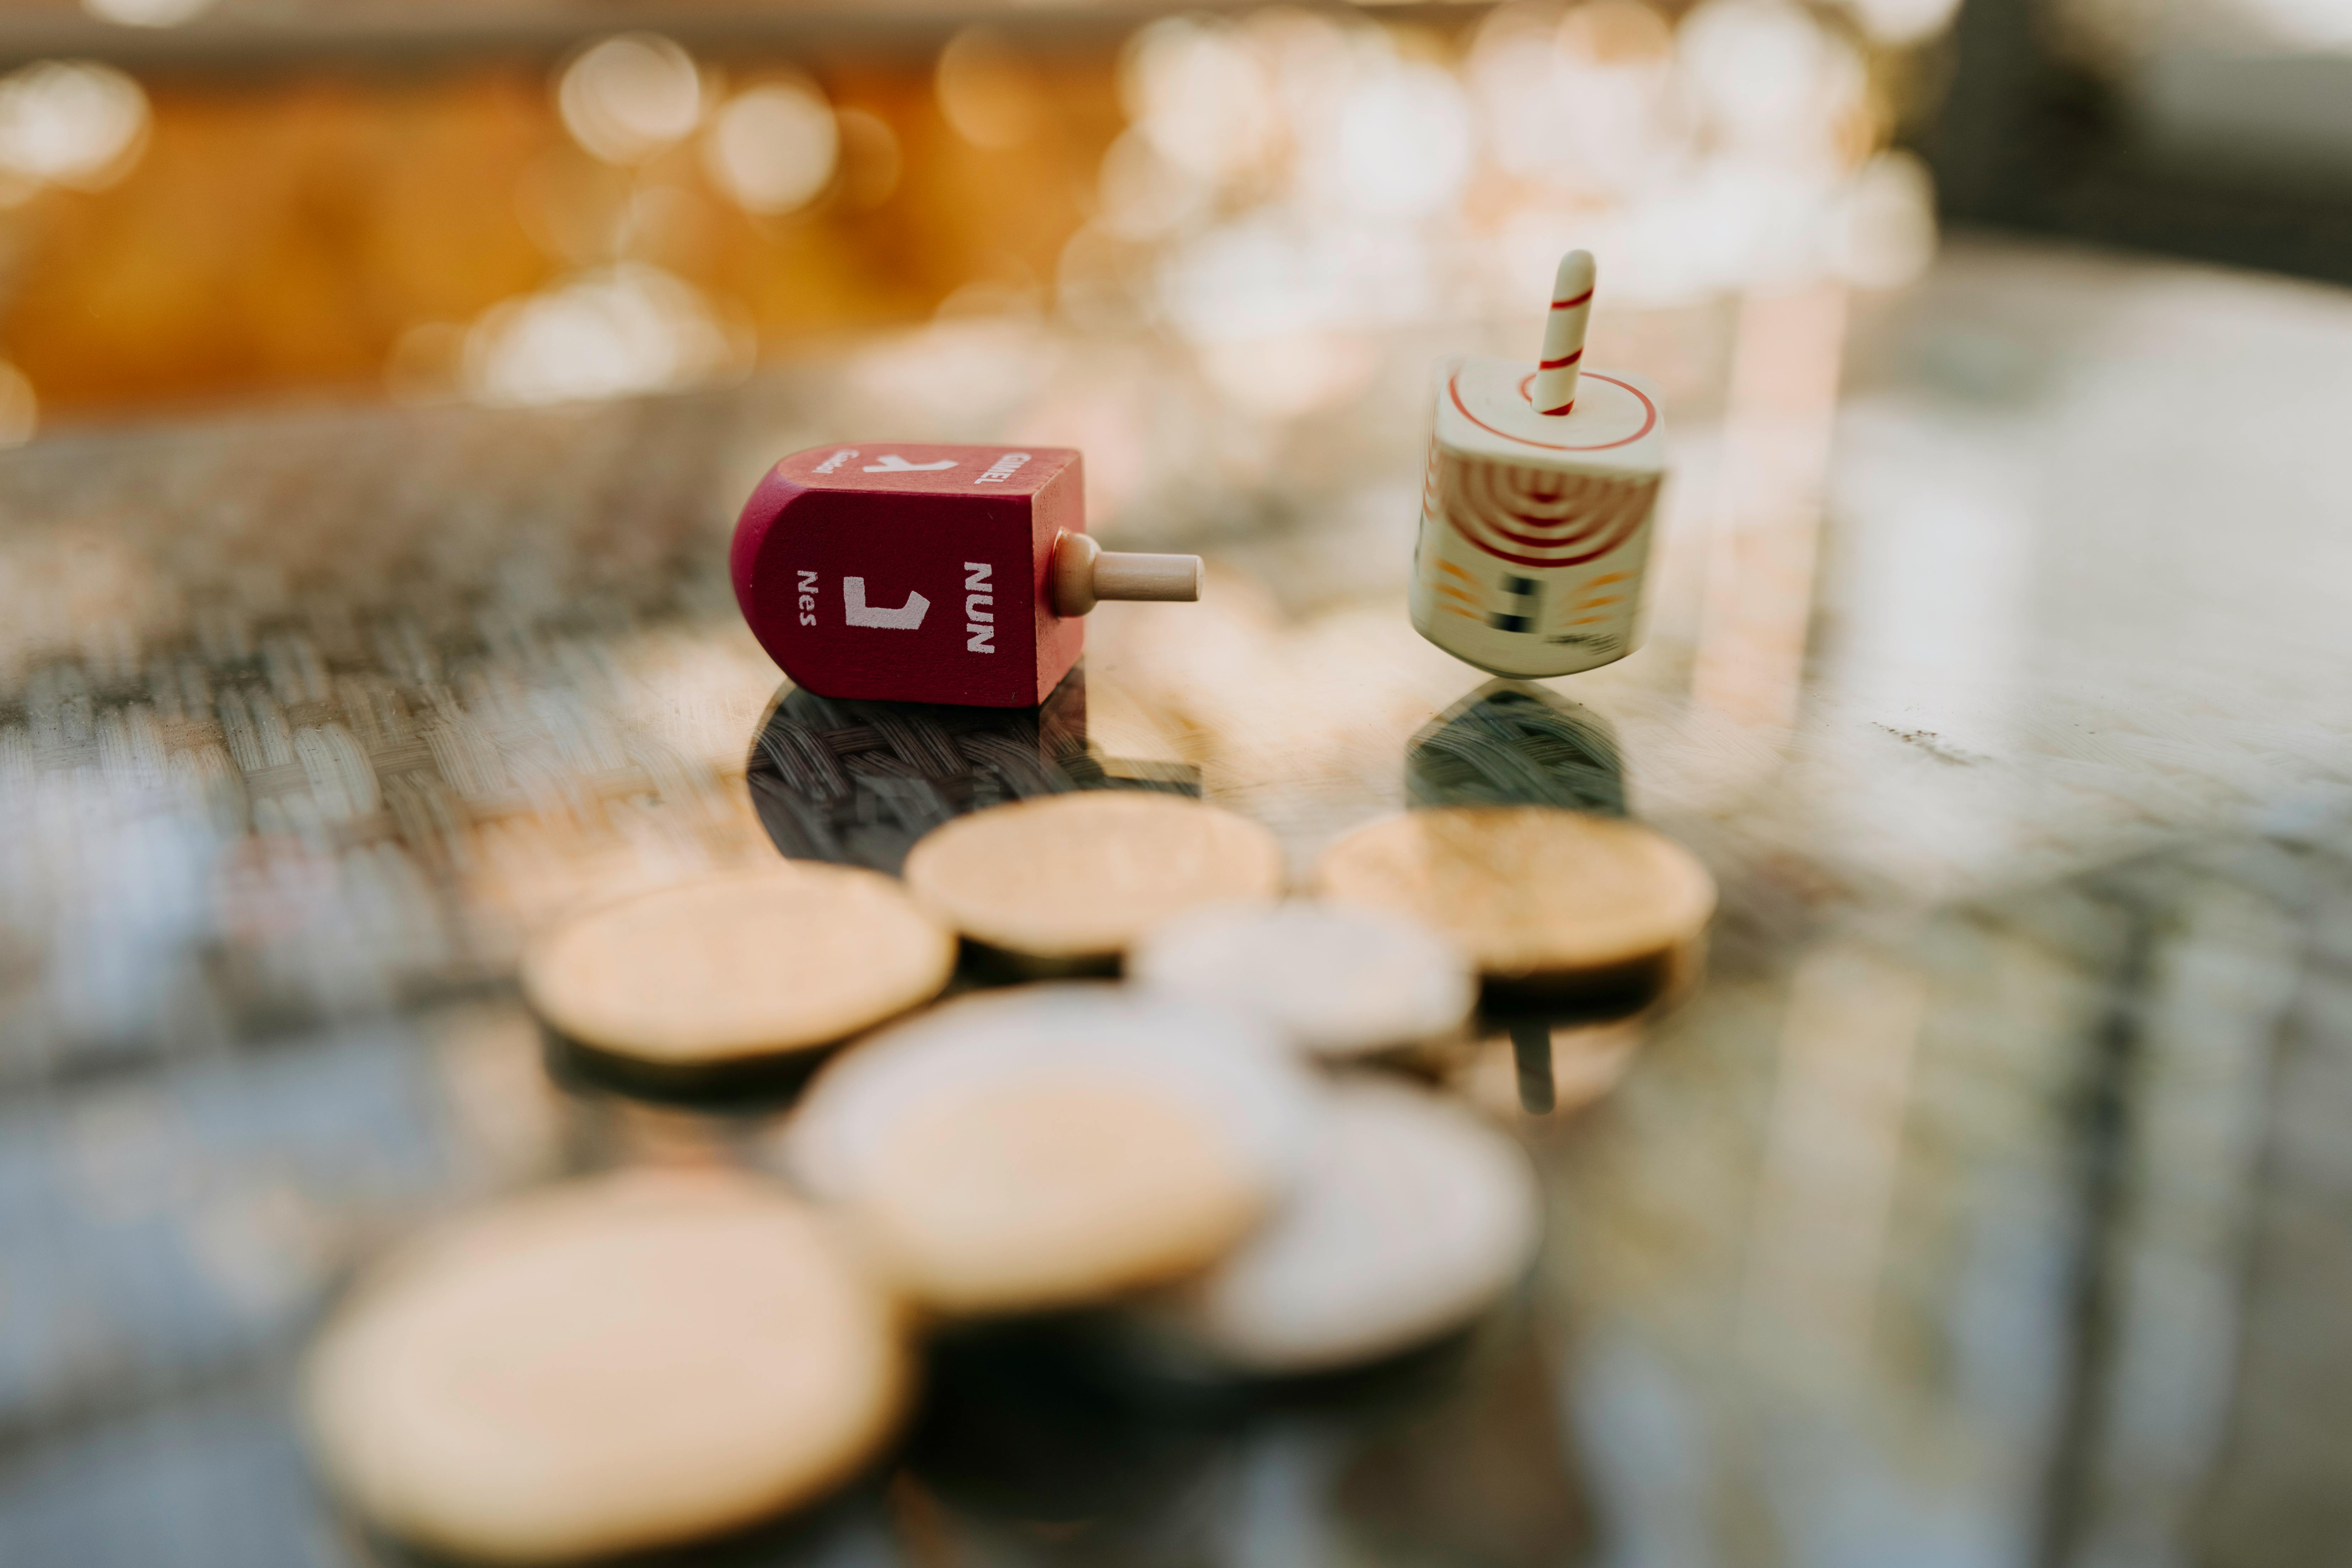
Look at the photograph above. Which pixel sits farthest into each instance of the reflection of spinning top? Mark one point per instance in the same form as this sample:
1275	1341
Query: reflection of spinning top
1535	522
1511	743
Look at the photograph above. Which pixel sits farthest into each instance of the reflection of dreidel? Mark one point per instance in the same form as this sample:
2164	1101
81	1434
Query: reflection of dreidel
927	573
1536	508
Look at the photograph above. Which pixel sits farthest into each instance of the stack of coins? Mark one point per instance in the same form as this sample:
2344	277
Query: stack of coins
1210	1153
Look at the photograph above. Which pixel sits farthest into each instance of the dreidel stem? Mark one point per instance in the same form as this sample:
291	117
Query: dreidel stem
1083	574
1563	344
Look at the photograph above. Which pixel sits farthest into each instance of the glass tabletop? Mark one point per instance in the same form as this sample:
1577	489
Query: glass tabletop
1980	1201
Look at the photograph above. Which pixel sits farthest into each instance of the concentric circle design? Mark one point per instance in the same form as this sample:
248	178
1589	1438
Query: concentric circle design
1541	517
1649	415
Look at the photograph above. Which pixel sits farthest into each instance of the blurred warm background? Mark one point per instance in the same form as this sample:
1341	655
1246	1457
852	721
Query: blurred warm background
206	200
524	202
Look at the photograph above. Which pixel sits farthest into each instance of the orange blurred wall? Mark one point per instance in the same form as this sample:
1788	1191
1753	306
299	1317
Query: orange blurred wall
288	233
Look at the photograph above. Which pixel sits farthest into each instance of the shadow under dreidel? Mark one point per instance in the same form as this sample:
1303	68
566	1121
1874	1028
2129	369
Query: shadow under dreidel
857	783
1512	743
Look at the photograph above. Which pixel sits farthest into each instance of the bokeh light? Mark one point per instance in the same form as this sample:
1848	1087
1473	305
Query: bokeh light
1769	76
628	98
611	333
1199	95
71	122
988	92
2311	24
1399	145
1903	23
147	13
1882	231
775	147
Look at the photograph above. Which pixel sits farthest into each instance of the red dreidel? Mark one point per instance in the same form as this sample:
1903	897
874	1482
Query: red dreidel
923	574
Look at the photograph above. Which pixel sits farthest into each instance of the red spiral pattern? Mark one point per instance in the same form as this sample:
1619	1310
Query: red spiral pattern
1538	517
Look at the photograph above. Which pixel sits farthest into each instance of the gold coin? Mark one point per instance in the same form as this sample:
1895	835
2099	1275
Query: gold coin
1528	892
1029	1196
607	1367
737	966
1047	1146
1077	877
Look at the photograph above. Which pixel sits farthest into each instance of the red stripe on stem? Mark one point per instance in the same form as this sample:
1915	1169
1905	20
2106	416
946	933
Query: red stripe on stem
1557	363
1571	304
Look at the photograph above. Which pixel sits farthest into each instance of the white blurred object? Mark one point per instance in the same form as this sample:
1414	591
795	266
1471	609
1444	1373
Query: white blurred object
1338	982
2311	24
71	122
1771	77
1287	374
627	97
1398	146
987	90
1589	105
958	373
614	332
1412	1217
147	13
1881	232
1902	22
1200	95
773	148
1145	195
1273	272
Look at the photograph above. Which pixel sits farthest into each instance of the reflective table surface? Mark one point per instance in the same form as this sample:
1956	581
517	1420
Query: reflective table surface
1985	1201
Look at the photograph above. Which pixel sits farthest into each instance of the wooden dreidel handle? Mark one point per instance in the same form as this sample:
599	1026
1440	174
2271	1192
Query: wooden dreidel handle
1085	574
